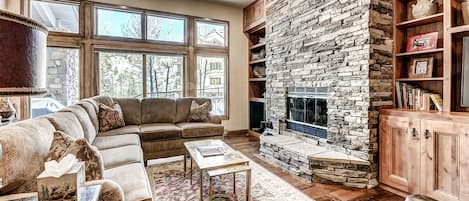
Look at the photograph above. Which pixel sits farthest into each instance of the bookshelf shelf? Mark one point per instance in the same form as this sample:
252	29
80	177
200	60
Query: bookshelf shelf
459	29
256	46
257	61
421	21
406	54
263	79
259	100
420	79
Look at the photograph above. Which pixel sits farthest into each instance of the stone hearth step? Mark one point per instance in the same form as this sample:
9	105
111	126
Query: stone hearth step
316	163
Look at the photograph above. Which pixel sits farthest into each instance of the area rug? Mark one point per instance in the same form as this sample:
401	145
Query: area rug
169	184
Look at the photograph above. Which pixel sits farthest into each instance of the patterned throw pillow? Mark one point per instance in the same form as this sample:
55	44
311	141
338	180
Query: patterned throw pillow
63	144
110	118
199	113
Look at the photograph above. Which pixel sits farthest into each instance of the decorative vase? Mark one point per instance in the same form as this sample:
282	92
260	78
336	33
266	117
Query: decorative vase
259	71
6	109
423	8
465	11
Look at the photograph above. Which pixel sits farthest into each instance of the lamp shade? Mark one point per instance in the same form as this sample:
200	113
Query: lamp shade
23	46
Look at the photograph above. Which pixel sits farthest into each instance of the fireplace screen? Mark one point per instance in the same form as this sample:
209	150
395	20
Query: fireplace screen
307	110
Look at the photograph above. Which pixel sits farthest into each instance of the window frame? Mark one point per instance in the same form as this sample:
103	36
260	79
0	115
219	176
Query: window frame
169	16
125	9
81	9
215	22
226	80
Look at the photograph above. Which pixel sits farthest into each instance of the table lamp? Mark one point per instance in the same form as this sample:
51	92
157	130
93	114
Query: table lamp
23	46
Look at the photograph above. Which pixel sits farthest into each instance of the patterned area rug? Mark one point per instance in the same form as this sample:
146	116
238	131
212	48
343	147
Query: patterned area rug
169	184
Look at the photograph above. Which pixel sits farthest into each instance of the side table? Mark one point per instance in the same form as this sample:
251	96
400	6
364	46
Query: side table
88	193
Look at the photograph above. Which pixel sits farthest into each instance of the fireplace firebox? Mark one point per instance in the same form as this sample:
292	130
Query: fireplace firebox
307	110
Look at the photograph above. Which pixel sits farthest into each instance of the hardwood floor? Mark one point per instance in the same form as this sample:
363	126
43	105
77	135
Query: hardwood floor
249	146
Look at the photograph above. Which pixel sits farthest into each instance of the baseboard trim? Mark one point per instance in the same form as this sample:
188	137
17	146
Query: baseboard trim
242	132
254	134
393	190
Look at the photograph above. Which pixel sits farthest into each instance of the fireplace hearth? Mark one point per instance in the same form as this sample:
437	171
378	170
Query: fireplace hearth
307	110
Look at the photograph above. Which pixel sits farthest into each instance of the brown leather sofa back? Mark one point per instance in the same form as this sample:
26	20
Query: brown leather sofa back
131	108
158	110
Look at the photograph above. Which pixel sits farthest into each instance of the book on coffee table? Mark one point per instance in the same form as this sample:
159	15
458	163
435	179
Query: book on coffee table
207	151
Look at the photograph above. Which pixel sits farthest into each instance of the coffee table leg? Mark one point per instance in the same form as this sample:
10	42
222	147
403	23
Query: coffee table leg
185	161
201	186
191	172
211	189
248	185
234	183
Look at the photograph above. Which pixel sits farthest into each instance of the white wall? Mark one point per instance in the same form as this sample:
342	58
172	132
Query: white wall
3	4
238	64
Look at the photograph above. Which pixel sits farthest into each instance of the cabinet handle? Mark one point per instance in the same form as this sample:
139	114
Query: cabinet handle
414	132
427	134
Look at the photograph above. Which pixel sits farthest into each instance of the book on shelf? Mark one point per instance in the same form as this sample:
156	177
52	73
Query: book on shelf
415	98
208	151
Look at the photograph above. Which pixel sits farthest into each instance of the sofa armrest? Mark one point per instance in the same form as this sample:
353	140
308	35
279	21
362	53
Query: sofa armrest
215	119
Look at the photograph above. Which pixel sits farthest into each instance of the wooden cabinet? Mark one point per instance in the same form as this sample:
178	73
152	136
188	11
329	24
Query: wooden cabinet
254	15
425	153
400	152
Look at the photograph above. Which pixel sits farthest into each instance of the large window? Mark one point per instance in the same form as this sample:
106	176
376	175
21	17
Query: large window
165	76
120	74
211	33
58	17
62	81
117	23
211	81
166	29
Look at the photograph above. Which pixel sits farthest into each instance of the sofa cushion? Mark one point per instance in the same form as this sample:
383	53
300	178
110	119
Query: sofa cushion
25	147
158	110
66	122
159	131
88	128
119	156
92	113
132	129
106	100
107	142
110	117
183	107
130	109
200	129
136	186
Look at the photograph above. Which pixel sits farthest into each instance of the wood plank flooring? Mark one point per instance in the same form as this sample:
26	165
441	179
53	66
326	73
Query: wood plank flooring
249	146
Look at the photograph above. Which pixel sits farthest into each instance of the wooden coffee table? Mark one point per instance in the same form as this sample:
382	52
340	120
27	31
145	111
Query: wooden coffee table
230	159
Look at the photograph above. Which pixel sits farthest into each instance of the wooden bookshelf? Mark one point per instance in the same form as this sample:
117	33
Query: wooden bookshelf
405	54
421	21
254	16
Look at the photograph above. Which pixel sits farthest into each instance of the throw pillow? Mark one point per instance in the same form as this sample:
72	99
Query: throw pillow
110	190
63	144
199	113
110	118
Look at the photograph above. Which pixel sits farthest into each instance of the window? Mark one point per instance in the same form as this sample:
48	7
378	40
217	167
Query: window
118	23
58	17
214	90
168	29
120	74
211	33
62	81
165	77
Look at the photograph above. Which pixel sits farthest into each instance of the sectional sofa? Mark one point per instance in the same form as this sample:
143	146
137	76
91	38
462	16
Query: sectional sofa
155	128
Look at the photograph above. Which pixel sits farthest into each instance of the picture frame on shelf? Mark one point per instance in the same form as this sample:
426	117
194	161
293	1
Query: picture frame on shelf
421	67
421	42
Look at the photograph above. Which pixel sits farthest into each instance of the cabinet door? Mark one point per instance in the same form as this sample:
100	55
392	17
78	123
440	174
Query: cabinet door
254	14
399	153
443	142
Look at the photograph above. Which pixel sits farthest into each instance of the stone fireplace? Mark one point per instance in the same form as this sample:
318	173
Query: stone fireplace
342	51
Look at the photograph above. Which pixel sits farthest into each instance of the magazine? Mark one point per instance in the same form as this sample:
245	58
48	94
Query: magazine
207	151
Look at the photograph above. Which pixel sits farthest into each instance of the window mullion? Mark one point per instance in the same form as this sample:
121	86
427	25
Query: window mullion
144	62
